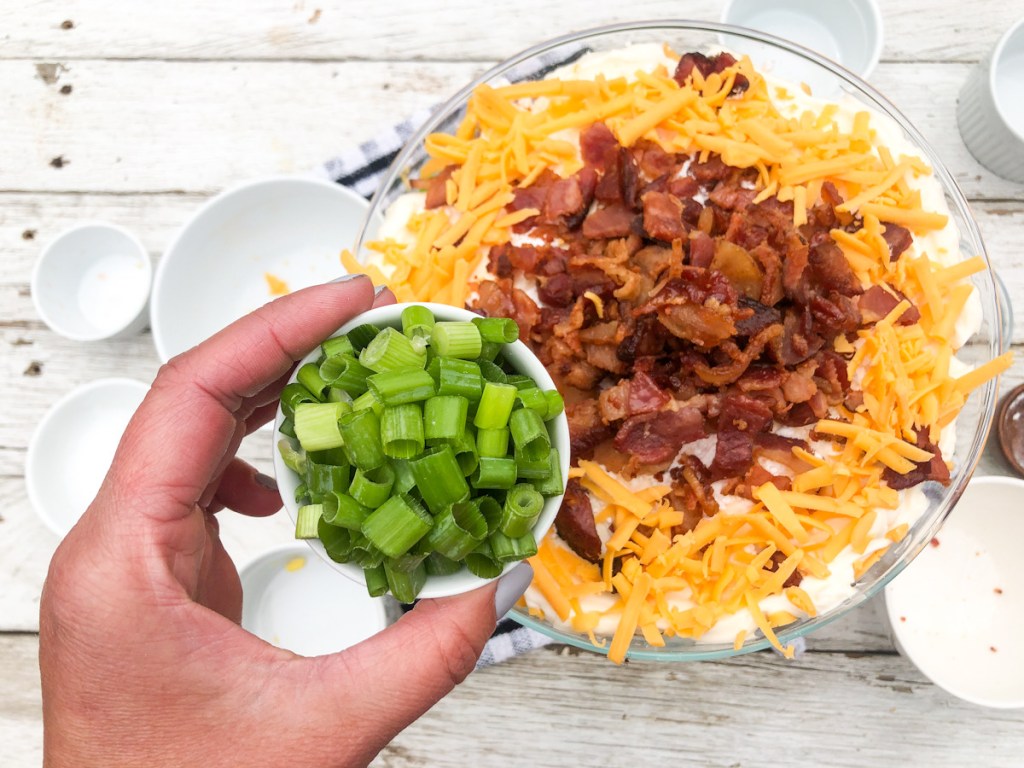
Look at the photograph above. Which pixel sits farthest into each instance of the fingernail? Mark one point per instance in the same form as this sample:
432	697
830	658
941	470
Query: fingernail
345	278
266	481
379	290
511	587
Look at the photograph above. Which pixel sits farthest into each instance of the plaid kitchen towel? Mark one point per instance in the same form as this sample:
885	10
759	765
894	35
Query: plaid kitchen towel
361	169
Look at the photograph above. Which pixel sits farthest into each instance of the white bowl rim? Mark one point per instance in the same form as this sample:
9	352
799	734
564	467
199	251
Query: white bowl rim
45	254
461	582
990	77
1003	481
32	477
204	210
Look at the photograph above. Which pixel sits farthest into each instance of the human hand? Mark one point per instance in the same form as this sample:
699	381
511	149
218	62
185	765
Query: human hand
143	662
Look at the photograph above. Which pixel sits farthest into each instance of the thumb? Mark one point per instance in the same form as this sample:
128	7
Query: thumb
377	688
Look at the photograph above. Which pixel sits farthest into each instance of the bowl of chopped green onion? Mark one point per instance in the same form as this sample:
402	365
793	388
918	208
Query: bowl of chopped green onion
422	450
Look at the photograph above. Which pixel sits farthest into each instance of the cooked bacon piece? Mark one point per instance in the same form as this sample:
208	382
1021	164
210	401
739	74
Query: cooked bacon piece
655	438
630	397
564	198
734	454
498	261
608	222
760	378
654	161
648	338
727	373
557	290
760	317
586	429
732	197
575	524
793	268
604	358
799	340
714	169
877	302
655	260
835	314
933	469
525	312
629	179
597	143
500	299
692	492
663	216
492	301
686	187
799	387
777	559
831	376
705	65
702	250
898	238
437	194
742	413
698	307
831	271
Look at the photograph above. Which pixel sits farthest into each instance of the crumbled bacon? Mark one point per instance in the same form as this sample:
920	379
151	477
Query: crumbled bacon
933	469
655	438
897	238
575	524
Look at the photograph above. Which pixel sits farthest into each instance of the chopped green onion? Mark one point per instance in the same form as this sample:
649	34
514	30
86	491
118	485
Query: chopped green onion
457	377
292	395
396	525
316	425
444	417
412	559
362	335
529	434
489	351
458	530
534	399
309	377
405	585
552	484
389	350
363	552
465	452
287	427
555	404
523	506
481	562
527	469
456	339
337	345
401	385
376	581
346	373
491	372
439	478
417	321
367	401
361	432
492	442
490	508
520	381
335	395
501	330
372	488
337	541
335	456
405	481
301	494
325	478
439	565
343	511
306	521
494	473
401	431
509	550
495	406
292	455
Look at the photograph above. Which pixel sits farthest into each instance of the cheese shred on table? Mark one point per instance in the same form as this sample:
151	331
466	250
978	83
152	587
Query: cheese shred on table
682	585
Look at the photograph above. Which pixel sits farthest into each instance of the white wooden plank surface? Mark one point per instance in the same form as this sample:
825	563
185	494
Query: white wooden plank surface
556	709
158	119
919	30
153	111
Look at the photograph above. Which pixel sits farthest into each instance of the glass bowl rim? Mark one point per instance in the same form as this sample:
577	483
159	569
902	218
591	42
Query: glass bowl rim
890	564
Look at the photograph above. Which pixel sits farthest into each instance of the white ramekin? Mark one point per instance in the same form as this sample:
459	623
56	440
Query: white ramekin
990	111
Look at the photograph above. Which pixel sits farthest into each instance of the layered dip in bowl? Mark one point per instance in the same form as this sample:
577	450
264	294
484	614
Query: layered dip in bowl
765	303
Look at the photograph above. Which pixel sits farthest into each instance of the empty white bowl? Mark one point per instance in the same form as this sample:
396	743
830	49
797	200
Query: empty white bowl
218	266
293	600
521	359
990	109
92	282
957	611
847	31
72	447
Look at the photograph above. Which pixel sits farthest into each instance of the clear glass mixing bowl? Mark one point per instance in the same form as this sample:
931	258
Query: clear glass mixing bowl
828	80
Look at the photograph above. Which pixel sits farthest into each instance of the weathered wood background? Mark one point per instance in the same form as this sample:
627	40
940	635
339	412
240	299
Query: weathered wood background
136	113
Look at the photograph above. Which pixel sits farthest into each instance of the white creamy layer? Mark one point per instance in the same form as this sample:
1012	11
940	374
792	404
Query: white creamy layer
941	246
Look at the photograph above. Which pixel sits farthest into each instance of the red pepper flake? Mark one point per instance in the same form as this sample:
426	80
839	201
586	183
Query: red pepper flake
903	618
934	542
993	649
998	590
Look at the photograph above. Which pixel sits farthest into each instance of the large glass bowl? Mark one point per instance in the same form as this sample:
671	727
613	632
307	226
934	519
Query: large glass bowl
771	55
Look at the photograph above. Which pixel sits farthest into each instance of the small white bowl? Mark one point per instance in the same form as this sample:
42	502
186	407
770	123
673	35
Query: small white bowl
294	601
957	611
72	447
92	282
521	359
847	31
215	270
990	110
